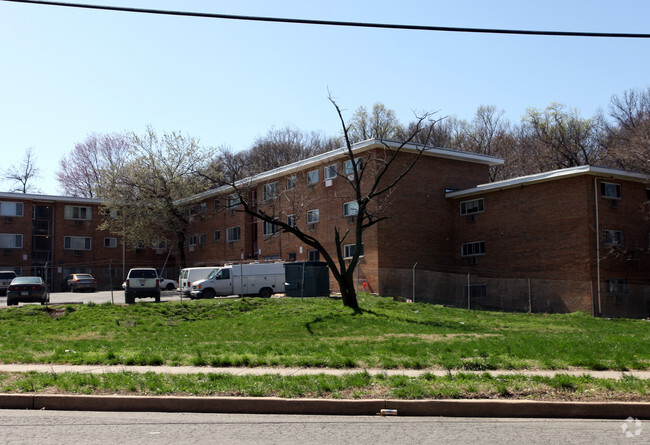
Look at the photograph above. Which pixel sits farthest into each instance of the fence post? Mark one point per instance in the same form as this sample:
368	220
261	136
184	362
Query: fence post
469	292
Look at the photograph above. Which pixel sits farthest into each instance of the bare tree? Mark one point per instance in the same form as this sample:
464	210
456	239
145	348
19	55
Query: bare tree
23	174
379	123
283	146
81	170
146	200
559	138
628	136
371	178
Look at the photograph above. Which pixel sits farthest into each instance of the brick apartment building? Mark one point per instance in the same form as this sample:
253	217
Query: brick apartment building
53	236
561	241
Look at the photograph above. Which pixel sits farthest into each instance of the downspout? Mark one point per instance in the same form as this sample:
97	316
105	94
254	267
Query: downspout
597	248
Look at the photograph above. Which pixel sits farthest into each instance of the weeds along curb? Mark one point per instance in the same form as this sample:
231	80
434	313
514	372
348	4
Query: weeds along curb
271	405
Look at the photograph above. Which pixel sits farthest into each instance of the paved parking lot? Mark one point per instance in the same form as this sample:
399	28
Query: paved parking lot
116	296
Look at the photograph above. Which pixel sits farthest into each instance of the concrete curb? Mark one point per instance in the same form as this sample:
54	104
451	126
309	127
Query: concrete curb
273	405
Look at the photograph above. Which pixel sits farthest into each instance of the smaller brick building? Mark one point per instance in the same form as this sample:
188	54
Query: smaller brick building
53	236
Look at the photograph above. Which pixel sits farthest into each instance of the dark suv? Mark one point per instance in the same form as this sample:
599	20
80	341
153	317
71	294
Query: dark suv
142	283
5	279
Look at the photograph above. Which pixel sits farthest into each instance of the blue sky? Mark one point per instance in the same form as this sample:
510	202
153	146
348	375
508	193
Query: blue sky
66	73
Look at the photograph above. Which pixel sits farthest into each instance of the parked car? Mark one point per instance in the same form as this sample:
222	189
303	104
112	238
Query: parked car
27	289
168	284
190	275
141	283
79	282
5	279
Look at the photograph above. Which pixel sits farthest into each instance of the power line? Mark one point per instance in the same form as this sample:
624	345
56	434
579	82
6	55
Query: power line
338	23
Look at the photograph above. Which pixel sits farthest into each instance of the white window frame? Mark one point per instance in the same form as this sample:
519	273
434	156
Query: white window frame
474	248
347	166
231	232
472	207
291	220
12	208
348	251
203	208
203	239
351	208
233	201
616	285
610	190
110	243
11	241
270	191
612	237
216	204
313	216
68	242
312	177
70	211
291	182
269	228
331	171
192	240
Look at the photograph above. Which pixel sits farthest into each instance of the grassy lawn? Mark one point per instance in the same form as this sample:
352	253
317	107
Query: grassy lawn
318	333
322	333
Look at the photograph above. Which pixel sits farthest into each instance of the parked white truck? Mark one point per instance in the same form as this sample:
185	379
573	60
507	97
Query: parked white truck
263	279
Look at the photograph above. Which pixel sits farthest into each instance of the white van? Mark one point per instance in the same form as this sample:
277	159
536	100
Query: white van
263	279
190	275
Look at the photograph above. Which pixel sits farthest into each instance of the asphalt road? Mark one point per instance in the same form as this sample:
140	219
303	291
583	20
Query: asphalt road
116	296
74	427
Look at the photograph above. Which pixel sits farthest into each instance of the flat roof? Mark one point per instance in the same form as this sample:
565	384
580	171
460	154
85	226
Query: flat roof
359	147
554	175
48	198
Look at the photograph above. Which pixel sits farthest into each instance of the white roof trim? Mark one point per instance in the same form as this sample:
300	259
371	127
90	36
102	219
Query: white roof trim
550	176
359	147
47	198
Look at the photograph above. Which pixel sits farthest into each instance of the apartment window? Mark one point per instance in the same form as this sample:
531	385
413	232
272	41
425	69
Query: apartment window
291	220
331	171
291	183
11	241
313	255
312	216
348	250
78	213
613	237
269	228
76	243
11	209
233	201
473	249
610	190
471	207
270	191
203	208
216	204
350	208
160	245
216	236
192	240
192	211
348	168
293	256
233	234
312	177
110	243
475	291
203	239
616	285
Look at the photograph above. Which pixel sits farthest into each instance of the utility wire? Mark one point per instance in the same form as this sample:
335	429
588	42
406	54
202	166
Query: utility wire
338	23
